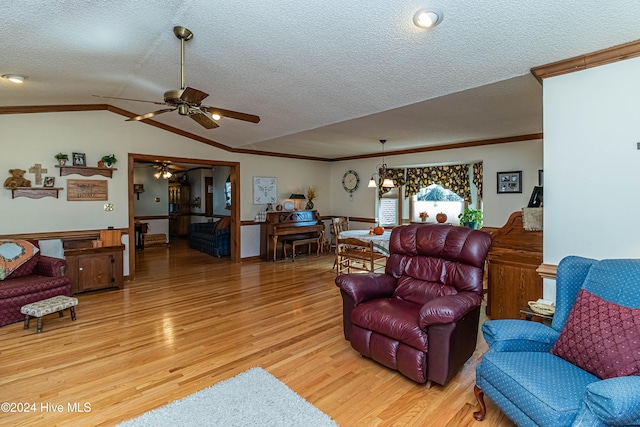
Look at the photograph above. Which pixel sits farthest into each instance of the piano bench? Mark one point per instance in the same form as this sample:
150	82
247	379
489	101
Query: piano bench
302	241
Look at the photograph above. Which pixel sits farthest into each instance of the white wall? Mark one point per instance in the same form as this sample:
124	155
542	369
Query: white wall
525	156
36	138
591	129
220	175
154	189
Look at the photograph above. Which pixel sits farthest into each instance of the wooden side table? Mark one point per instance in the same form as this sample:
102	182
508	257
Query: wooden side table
530	314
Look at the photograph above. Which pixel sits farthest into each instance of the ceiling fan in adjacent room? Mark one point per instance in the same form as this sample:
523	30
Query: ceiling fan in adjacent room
187	100
165	170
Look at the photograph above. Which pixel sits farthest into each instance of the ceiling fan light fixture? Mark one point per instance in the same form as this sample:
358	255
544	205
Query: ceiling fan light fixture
14	78
183	109
163	172
428	18
215	116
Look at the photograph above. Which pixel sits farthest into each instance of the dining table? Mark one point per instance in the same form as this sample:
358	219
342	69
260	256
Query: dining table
380	241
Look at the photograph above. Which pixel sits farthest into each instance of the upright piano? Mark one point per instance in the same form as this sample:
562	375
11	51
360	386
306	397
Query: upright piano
289	225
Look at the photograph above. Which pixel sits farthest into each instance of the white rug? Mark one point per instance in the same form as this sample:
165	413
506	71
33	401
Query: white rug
252	398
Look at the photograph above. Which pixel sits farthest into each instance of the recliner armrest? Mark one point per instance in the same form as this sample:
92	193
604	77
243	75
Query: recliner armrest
448	308
363	287
613	401
518	335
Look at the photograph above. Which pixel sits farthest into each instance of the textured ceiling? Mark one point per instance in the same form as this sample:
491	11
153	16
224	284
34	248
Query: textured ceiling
328	78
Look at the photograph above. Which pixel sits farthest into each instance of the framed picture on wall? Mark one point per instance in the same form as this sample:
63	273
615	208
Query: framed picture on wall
535	201
510	182
79	159
264	190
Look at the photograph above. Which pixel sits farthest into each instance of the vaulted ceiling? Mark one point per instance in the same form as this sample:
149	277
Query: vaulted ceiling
328	79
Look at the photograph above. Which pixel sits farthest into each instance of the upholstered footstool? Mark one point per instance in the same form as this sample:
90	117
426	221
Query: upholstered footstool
42	308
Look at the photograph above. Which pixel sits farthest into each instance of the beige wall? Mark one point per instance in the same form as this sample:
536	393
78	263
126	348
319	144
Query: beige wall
524	156
35	138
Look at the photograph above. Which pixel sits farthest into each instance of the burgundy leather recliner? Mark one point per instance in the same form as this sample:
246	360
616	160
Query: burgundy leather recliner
421	316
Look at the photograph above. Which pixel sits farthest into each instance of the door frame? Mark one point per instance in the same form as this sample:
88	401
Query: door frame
234	173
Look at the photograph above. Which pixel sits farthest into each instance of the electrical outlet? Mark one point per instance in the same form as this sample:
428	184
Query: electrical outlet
108	207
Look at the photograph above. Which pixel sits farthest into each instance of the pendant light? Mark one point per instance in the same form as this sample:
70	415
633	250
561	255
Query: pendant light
381	174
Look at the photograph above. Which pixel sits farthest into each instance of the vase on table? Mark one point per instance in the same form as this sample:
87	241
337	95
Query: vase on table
309	205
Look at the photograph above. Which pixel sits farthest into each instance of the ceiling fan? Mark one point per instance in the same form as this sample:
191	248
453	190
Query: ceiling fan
187	100
166	170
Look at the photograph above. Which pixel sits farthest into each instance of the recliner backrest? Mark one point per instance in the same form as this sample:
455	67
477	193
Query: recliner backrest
435	259
614	280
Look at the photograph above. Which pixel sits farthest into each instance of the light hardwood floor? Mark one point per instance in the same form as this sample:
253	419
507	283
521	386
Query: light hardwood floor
188	321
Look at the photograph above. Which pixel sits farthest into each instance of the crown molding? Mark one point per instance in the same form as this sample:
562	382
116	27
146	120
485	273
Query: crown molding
102	107
590	60
467	144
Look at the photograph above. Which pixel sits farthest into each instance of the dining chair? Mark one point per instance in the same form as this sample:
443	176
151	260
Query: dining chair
338	225
358	255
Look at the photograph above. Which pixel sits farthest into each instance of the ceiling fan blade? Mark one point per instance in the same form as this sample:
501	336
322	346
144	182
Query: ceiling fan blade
204	120
176	167
233	114
193	96
129	99
149	115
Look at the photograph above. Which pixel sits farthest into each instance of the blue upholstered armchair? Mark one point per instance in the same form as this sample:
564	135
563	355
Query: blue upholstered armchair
584	370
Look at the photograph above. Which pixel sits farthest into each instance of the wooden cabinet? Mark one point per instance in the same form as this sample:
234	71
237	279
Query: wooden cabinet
95	268
179	208
512	280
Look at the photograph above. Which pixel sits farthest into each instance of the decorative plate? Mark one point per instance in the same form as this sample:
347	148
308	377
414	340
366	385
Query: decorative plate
288	205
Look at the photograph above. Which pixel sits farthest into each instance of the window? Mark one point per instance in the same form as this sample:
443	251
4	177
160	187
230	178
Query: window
435	199
388	208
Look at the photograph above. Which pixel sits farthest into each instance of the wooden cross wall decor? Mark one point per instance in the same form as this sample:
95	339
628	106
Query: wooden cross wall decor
38	170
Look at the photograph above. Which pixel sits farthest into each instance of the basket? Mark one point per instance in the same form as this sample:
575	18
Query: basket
542	308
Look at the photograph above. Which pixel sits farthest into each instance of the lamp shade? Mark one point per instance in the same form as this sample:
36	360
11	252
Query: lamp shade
297	196
387	183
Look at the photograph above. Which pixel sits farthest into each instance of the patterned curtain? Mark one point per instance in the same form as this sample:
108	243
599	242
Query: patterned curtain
477	178
396	175
453	177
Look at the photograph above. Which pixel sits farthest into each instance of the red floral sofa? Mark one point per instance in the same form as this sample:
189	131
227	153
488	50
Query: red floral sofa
26	276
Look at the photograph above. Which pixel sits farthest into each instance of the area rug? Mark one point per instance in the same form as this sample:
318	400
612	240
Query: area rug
252	398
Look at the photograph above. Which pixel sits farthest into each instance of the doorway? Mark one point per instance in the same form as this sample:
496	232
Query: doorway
234	208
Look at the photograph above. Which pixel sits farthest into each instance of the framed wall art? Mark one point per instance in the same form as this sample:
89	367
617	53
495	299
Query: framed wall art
510	182
535	201
87	190
79	159
265	190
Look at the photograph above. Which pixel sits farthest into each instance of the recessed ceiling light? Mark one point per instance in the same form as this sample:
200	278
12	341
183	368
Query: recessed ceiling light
14	78
427	18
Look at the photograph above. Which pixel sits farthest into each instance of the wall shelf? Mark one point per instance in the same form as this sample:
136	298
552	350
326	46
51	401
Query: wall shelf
85	170
35	192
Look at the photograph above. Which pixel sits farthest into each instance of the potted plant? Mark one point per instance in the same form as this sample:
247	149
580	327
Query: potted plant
471	218
62	158
109	160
